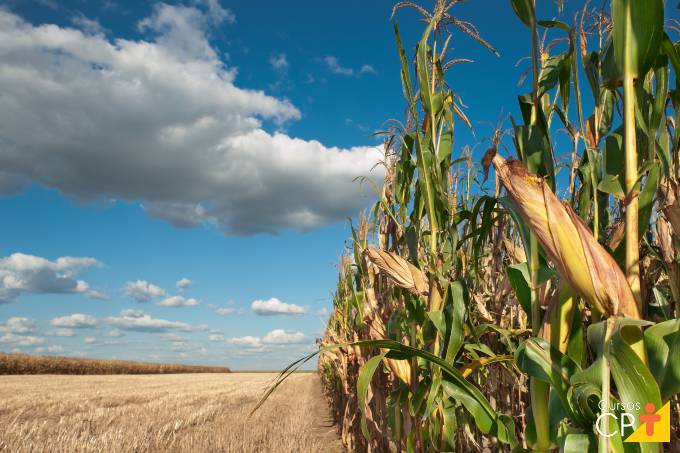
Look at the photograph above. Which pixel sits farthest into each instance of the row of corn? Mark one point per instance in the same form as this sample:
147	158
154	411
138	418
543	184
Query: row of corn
498	304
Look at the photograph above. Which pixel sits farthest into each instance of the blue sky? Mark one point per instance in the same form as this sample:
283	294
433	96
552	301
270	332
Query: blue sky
214	142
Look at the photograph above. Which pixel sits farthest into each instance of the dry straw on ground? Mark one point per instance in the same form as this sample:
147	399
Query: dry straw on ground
169	413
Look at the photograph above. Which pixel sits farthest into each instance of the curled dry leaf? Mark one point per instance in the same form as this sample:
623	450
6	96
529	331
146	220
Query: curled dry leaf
401	272
515	253
617	234
669	192
568	242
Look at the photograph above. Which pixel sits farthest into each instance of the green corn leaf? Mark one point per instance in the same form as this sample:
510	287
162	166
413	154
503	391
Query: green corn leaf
613	181
520	280
585	399
579	443
550	73
662	342
456	339
647	197
540	360
634	381
418	398
434	395
637	34
363	383
422	69
524	10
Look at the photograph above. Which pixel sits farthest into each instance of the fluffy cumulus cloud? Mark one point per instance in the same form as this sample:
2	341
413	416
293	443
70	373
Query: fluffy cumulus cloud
274	307
137	320
178	301
183	283
275	337
280	336
161	120
142	291
14	332
21	273
74	321
17	325
20	340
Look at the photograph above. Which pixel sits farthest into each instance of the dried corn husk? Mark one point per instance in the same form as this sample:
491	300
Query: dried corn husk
401	272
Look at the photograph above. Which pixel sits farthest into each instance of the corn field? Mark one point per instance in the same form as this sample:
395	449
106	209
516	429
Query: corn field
30	364
499	303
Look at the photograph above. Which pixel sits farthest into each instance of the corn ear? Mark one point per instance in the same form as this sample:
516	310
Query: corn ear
401	272
568	242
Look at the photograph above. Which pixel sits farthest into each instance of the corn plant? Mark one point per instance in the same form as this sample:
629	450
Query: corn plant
505	318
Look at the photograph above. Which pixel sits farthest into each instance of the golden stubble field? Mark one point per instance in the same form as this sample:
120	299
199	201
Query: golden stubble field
178	412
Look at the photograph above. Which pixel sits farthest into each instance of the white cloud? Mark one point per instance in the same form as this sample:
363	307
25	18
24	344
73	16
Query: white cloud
178	301
17	325
183	283
62	333
21	340
115	333
274	307
135	320
74	321
279	62
89	26
142	291
21	273
367	69
97	295
216	337
217	12
97	119
280	336
247	341
334	66
89	340
275	337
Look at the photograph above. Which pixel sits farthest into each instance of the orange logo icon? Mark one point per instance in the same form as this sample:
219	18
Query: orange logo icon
654	426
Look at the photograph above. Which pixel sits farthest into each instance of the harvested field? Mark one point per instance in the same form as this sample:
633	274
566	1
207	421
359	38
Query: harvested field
184	412
31	364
